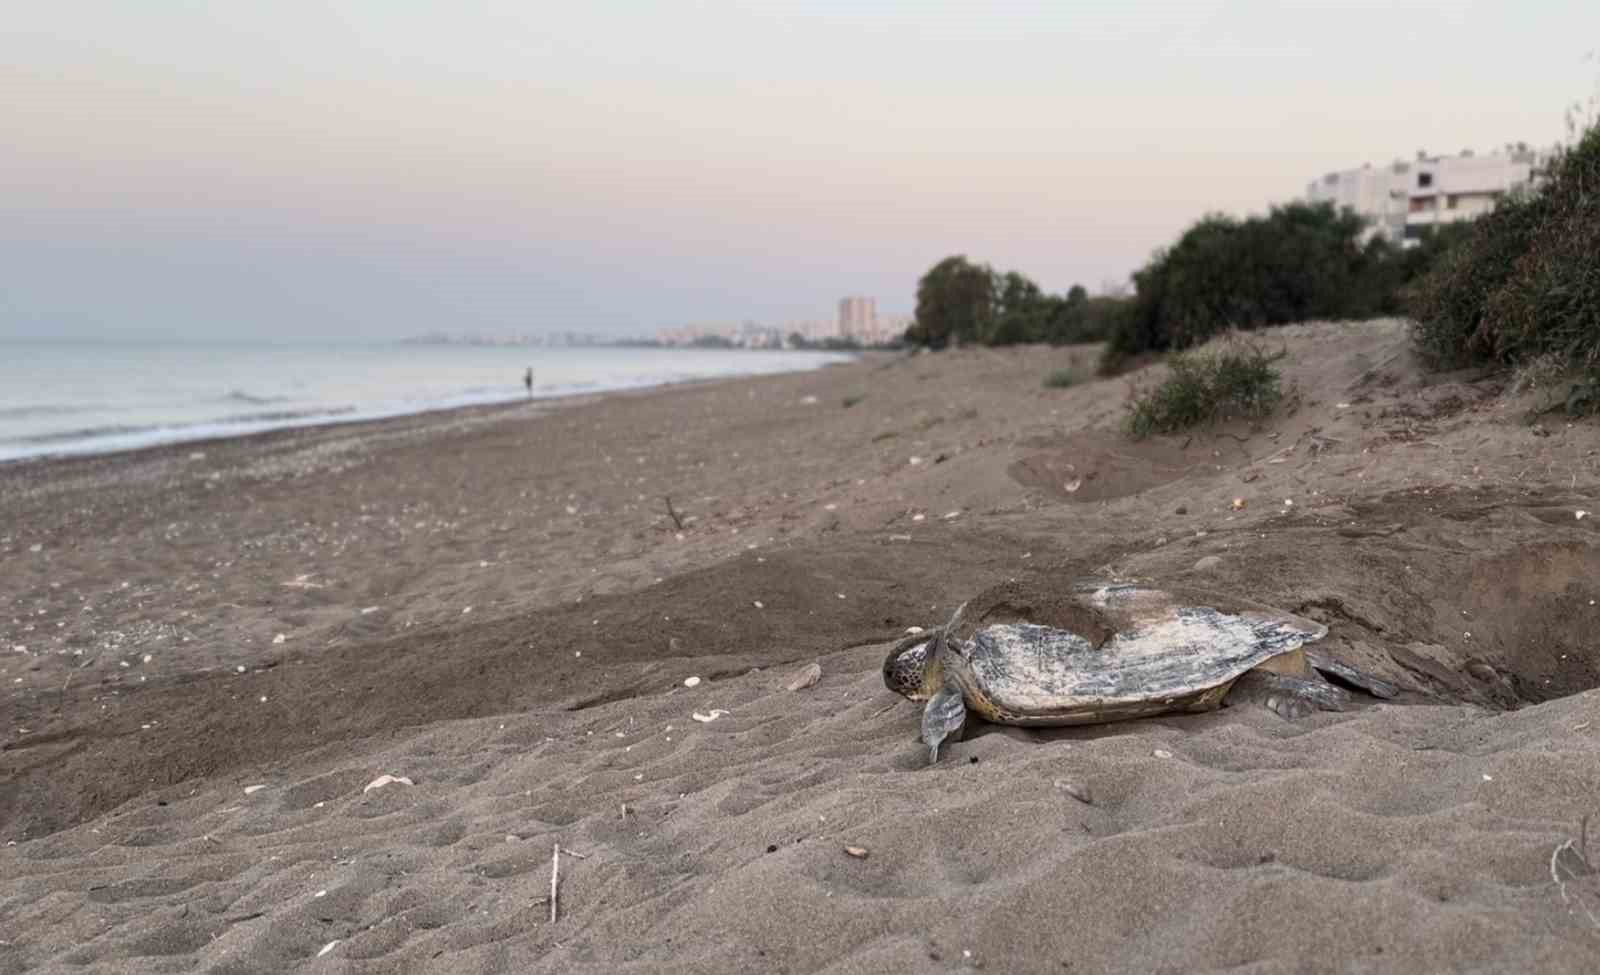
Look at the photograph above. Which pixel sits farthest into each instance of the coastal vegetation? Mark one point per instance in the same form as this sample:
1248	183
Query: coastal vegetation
1523	287
1060	379
1519	286
1300	261
961	302
1203	386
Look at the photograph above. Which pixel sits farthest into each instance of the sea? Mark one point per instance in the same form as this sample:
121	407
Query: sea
65	398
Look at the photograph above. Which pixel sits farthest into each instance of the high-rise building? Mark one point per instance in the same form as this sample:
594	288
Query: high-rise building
858	318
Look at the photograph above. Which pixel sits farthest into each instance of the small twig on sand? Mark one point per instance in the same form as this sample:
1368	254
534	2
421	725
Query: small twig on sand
624	810
61	699
673	513
575	853
884	710
555	878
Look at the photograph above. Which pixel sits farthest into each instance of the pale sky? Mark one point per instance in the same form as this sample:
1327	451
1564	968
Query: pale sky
375	169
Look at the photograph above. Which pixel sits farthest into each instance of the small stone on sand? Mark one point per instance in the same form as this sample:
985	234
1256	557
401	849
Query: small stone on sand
384	780
1073	789
691	682
806	678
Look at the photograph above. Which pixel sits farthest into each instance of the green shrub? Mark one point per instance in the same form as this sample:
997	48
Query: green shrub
1526	282
1060	379
1238	381
1448	305
1301	261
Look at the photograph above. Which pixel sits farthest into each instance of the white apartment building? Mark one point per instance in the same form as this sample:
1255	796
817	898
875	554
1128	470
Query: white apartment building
1403	199
1379	195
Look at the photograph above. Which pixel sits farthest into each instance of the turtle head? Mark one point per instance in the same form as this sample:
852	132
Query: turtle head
914	668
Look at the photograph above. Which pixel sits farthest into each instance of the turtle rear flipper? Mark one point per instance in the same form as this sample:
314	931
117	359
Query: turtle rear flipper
1348	675
1289	697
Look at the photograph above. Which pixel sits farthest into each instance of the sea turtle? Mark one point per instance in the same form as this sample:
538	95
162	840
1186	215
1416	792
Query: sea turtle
1103	652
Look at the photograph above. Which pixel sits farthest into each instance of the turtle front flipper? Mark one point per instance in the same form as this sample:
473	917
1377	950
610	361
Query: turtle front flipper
1287	697
943	717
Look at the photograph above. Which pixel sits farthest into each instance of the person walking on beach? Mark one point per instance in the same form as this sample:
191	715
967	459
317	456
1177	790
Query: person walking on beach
527	380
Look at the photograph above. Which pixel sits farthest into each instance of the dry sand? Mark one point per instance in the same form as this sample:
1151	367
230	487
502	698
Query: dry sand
496	605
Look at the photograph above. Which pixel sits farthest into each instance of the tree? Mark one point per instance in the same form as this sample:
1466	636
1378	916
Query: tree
955	302
1022	312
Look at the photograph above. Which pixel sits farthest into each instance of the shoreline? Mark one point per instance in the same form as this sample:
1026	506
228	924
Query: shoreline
340	423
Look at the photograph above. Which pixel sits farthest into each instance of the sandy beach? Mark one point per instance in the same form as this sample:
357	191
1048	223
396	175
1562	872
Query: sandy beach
209	652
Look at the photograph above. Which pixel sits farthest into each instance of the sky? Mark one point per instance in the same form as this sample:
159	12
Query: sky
381	168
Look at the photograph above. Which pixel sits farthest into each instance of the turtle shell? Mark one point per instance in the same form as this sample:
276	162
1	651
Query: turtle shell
1115	652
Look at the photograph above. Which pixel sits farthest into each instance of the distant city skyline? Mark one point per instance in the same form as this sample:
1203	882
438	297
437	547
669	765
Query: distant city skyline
858	321
378	170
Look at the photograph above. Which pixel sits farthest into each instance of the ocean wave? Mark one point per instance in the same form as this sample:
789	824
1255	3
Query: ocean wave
218	426
34	411
240	396
284	416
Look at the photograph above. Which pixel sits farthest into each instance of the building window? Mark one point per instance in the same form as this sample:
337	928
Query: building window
1424	179
1451	201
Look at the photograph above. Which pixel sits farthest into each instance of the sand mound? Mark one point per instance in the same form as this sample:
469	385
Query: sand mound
1402	838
